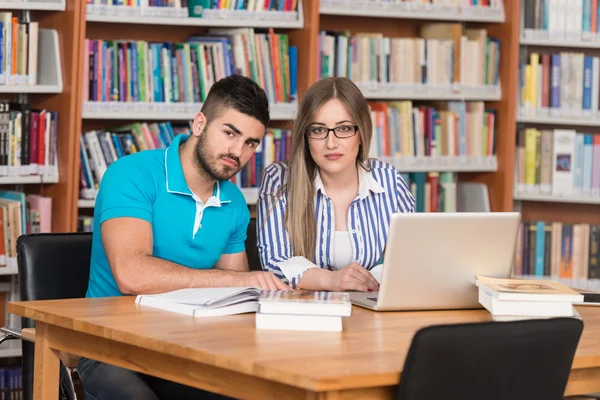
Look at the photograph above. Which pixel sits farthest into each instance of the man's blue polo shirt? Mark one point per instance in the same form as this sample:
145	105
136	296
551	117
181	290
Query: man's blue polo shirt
150	185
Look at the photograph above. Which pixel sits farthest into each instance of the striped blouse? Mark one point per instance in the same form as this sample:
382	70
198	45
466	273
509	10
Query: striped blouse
381	192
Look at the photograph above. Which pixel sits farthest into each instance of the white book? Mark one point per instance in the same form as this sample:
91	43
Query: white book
563	162
200	302
299	322
304	302
527	308
595	84
506	318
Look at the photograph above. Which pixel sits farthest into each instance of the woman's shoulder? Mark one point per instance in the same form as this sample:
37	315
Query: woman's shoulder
378	165
274	176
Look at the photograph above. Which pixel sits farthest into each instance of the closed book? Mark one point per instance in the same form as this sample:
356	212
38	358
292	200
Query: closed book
528	290
290	322
530	308
302	302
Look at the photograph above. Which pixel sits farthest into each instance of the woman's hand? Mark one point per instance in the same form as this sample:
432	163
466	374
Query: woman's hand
352	277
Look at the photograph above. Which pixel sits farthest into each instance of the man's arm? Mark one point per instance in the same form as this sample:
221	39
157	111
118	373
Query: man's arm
128	246
233	262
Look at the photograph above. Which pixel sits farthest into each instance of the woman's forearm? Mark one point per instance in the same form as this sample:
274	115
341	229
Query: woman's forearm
315	279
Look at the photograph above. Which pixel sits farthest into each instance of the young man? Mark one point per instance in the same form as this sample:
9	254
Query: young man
169	219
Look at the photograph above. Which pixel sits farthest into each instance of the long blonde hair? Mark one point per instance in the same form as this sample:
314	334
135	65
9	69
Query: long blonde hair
300	220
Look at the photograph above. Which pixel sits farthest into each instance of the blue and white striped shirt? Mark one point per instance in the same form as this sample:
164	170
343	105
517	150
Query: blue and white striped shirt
381	192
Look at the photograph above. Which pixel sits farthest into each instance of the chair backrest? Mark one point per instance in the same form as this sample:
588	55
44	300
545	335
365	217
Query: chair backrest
251	249
51	266
492	360
54	265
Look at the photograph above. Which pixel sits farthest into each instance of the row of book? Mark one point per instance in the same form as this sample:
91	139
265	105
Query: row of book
99	149
433	191
140	71
558	250
21	214
195	8
444	54
560	162
18	50
11	383
445	129
560	84
28	140
10	293
561	19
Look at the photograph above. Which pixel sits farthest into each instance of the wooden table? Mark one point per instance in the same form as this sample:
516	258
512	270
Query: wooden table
229	356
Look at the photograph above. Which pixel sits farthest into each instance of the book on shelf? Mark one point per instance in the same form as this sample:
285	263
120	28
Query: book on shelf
444	54
300	310
433	191
558	250
28	140
559	162
509	299
163	72
402	128
560	84
560	19
18	50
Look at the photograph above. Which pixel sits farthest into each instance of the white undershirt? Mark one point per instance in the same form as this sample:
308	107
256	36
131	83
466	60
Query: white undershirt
342	249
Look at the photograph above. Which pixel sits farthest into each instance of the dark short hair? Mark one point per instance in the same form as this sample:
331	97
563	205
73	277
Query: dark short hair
240	93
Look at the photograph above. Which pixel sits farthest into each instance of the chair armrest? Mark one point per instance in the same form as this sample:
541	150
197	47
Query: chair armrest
25	334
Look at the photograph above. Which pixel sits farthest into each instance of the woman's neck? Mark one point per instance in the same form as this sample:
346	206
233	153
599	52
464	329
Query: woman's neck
341	181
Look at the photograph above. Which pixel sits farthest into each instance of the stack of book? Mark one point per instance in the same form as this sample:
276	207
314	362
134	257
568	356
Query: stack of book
514	299
302	310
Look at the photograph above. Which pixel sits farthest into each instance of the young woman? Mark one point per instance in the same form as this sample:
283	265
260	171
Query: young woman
324	216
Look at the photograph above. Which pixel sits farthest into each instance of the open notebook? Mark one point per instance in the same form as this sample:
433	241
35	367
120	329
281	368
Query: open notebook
205	302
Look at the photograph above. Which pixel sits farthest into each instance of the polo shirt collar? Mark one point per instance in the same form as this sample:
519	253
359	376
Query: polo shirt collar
175	179
366	183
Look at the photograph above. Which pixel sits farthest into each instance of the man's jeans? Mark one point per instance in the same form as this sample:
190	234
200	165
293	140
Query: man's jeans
108	382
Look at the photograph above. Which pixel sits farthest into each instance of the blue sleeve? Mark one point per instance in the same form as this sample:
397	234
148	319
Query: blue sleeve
272	238
404	198
237	240
126	190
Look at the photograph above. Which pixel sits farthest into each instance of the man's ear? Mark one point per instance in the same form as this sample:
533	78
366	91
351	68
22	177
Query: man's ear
199	124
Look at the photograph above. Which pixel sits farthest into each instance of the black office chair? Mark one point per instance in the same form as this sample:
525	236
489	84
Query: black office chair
51	266
514	360
251	249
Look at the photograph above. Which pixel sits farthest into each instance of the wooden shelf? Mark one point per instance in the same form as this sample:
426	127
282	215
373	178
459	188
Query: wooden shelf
407	10
23	180
83	203
524	196
10	352
211	18
559	120
33	5
165	111
251	195
443	164
541	38
374	91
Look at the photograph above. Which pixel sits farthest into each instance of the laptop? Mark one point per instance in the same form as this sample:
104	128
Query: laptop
432	259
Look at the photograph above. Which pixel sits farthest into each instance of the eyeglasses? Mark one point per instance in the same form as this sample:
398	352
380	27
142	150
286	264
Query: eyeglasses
340	132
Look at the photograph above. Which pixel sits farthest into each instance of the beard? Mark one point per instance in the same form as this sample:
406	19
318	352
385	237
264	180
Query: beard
207	163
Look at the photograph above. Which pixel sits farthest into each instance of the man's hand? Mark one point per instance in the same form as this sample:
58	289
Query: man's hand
352	277
264	280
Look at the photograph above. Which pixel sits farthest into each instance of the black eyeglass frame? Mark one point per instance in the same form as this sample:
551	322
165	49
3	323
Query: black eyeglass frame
332	130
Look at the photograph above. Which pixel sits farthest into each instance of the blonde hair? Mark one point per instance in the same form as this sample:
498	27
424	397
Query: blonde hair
300	220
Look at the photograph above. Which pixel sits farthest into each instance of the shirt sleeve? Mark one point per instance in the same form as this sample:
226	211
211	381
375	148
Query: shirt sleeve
274	247
126	190
405	202
237	239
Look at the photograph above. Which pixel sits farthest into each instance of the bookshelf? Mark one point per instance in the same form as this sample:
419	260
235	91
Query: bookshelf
392	20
